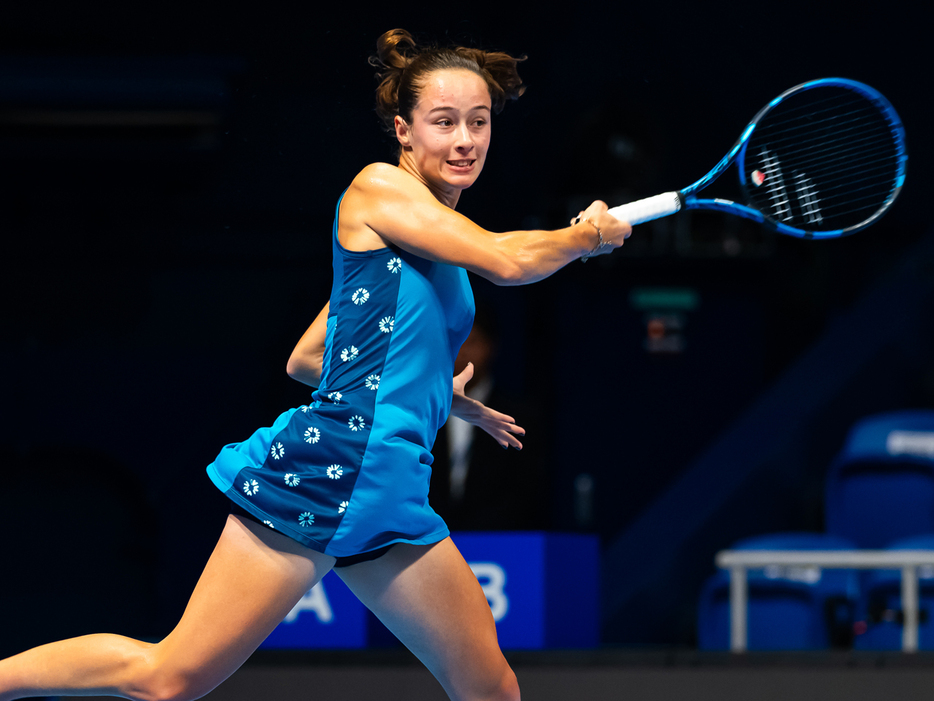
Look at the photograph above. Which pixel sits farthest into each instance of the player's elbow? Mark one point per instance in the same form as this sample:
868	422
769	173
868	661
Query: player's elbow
303	369
293	368
507	272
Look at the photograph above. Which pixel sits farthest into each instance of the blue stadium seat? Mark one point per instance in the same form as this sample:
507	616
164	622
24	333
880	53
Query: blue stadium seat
879	610
790	608
880	487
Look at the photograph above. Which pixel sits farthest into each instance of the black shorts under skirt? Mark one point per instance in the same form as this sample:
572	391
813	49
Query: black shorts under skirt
346	561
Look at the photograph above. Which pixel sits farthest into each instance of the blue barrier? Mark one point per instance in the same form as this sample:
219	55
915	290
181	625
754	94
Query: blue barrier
328	616
542	589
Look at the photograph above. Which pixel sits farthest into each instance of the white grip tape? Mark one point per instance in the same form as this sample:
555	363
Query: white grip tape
648	209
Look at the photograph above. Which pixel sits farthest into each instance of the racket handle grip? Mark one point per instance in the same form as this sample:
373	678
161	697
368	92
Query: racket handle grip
648	209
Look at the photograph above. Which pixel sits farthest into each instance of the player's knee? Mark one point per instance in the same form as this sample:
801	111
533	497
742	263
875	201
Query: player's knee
500	686
170	687
509	689
159	680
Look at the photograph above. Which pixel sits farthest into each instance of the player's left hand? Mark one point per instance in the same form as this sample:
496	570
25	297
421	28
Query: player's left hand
501	427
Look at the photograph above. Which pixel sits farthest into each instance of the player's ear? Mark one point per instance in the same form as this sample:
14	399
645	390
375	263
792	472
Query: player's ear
403	132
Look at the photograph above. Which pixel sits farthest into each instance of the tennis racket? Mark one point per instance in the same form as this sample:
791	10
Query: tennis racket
824	159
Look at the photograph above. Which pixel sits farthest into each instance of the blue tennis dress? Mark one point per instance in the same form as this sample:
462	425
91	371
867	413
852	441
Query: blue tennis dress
349	472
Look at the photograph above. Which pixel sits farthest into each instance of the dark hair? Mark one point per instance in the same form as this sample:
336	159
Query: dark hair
402	69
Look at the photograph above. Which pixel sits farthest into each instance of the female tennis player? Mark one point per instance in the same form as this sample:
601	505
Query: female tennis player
343	482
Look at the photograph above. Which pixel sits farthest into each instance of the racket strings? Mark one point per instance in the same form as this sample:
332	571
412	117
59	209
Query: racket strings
808	111
801	130
870	200
826	160
866	149
810	133
857	210
847	197
851	176
850	173
836	187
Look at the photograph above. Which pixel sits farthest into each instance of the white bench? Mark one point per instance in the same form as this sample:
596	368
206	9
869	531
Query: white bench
738	562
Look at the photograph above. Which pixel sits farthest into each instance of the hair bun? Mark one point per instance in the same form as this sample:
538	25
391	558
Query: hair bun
392	49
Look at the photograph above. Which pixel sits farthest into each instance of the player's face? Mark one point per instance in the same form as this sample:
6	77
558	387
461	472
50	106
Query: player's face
446	142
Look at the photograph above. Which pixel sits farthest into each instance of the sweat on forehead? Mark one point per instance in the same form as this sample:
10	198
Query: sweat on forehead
447	88
418	76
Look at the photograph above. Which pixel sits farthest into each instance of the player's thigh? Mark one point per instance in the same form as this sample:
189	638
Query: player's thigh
430	599
251	581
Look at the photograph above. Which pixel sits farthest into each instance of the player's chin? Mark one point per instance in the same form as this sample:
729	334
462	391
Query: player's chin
465	177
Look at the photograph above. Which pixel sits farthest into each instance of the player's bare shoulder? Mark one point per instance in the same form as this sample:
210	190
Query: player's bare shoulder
384	179
378	171
369	191
364	204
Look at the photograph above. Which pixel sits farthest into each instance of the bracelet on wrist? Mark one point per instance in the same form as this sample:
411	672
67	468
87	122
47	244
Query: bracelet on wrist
596	248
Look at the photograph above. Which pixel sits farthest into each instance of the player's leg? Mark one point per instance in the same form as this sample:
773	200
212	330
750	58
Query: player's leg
430	599
249	584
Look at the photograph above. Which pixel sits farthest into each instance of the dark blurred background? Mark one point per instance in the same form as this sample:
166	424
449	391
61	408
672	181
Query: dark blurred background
169	177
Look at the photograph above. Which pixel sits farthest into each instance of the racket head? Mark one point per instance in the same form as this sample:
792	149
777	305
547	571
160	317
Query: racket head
824	159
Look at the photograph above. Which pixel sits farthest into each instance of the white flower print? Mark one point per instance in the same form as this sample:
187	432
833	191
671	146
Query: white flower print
277	451
312	435
386	324
250	487
356	423
372	382
269	523
360	296
335	397
394	265
306	519
305	409
292	479
335	472
342	508
349	354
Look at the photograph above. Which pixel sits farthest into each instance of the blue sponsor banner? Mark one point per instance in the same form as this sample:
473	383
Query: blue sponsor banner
542	589
328	616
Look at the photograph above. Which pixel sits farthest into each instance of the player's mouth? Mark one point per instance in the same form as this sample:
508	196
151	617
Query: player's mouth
463	163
